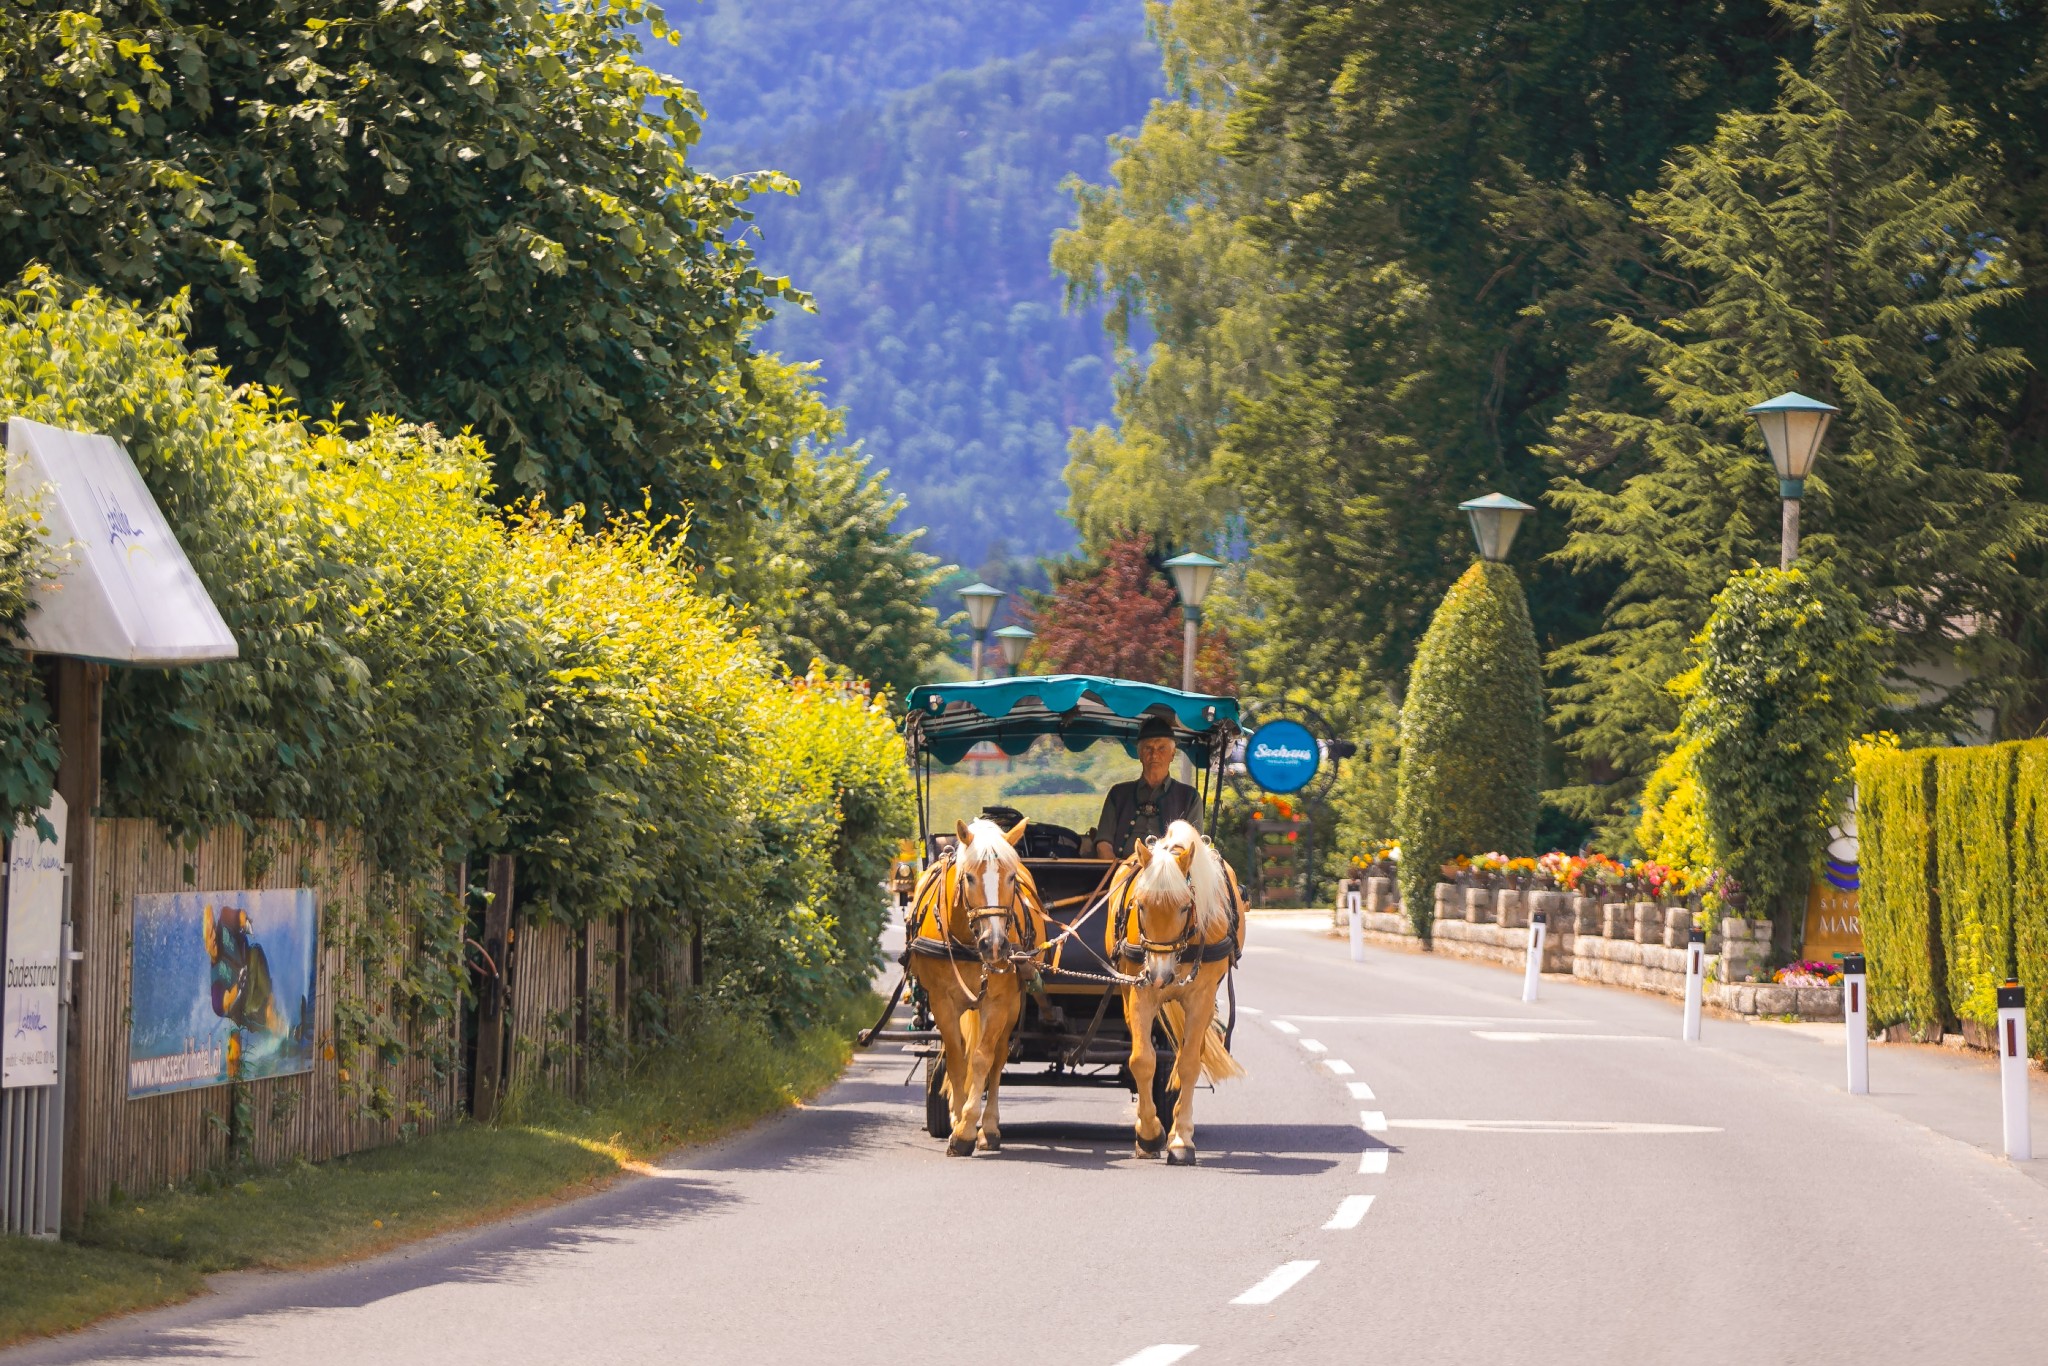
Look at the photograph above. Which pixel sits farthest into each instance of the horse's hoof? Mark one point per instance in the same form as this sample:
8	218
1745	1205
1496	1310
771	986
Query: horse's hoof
1149	1147
992	1143
960	1147
1180	1157
1139	1149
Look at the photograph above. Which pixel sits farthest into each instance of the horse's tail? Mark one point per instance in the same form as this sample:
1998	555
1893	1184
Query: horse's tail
1218	1064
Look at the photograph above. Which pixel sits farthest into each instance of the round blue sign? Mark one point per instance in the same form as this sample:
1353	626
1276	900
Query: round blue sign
1281	756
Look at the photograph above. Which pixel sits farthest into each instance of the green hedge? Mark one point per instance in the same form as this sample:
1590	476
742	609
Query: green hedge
1954	869
1973	874
1471	735
1895	806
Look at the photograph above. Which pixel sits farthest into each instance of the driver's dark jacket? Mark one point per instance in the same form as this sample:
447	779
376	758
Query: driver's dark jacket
1132	811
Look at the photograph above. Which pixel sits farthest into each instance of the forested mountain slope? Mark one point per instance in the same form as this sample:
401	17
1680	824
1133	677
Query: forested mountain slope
931	138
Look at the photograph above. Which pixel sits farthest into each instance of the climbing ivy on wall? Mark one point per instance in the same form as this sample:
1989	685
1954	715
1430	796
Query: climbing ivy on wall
1894	818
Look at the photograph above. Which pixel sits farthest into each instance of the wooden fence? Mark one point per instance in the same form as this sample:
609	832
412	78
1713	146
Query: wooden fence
567	998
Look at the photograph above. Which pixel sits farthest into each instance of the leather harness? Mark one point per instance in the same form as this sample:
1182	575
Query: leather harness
1185	949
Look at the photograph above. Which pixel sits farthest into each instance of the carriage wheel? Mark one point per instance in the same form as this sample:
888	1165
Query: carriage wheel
938	1116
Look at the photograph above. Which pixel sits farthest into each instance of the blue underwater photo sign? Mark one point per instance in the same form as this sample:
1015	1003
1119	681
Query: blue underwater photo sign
221	988
1281	756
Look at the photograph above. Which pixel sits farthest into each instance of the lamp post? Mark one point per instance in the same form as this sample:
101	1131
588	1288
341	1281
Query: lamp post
981	603
1793	426
1495	520
1192	575
1015	640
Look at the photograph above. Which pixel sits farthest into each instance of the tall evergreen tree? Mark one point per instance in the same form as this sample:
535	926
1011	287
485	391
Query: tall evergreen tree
1834	248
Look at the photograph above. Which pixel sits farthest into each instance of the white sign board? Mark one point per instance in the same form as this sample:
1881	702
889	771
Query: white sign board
35	916
124	592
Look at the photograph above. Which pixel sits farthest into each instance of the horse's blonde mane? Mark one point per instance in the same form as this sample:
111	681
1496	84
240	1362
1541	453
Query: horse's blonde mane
1212	888
1161	876
985	841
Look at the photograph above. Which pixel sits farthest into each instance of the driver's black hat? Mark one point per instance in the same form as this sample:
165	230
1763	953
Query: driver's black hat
1156	728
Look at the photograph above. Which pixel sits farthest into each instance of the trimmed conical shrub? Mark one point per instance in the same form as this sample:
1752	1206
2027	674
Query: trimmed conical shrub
1471	735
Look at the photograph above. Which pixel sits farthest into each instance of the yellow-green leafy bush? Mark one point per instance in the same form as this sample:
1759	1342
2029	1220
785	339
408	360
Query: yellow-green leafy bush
1974	874
1901	933
1673	828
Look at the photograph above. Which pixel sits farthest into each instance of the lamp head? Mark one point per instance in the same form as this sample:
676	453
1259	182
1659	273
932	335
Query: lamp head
1192	575
1793	426
981	603
1015	640
1495	520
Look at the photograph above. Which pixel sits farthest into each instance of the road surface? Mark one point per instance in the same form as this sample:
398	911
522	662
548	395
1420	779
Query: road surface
1419	1169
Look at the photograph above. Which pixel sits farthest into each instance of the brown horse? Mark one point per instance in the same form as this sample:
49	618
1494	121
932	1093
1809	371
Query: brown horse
1176	923
975	931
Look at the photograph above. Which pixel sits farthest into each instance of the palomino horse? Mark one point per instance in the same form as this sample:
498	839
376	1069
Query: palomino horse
975	930
1177	923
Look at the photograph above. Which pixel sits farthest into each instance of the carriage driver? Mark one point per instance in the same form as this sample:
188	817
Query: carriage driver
1149	803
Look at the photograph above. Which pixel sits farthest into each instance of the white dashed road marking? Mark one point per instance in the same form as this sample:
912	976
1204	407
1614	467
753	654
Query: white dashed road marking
1372	1162
1314	1047
1277	1284
1338	1066
1350	1212
1374	1121
1548	1126
1286	1028
1360	1091
1162	1355
1531	1036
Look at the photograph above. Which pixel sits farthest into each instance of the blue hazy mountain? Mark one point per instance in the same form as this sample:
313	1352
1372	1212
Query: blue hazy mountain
931	138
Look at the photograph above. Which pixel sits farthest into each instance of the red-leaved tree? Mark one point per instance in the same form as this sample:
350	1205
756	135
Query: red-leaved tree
1123	621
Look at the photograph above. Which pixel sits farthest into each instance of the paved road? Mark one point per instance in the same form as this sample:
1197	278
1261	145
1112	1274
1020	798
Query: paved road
1419	1169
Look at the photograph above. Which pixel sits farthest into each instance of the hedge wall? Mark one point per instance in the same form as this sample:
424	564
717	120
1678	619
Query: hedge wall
1954	861
1895	802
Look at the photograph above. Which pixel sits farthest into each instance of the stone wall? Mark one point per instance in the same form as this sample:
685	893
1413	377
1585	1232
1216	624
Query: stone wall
1639	945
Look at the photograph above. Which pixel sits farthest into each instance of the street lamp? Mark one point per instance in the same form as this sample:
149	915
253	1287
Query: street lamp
1192	575
1793	428
1495	520
981	603
1015	640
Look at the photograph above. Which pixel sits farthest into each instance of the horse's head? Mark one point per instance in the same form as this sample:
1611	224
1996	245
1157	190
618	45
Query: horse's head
988	872
1163	901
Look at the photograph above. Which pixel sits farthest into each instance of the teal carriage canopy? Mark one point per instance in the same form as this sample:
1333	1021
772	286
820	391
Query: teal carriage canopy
945	720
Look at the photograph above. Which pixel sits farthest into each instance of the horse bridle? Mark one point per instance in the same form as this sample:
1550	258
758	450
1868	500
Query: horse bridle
1017	924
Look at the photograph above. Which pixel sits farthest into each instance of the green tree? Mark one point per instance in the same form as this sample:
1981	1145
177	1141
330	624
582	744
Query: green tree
471	212
1471	735
1784	679
1835	248
851	590
1165	244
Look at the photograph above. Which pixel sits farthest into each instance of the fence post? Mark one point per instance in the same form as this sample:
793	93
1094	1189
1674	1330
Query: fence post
1533	968
495	993
80	691
1695	981
2012	1069
1855	1022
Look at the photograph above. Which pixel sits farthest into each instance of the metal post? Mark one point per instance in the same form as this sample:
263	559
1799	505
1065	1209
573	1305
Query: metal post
1187	647
977	656
1354	902
1695	981
1856	1022
1788	538
1532	969
2012	1069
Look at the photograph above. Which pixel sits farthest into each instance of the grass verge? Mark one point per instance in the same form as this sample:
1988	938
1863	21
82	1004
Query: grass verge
139	1253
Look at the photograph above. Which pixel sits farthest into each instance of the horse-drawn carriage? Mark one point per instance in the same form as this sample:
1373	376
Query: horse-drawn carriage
1044	935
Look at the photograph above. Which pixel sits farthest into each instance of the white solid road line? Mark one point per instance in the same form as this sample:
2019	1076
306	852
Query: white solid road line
1164	1354
1547	1126
1360	1091
1338	1066
1532	1036
1452	1021
1374	1121
1350	1212
1372	1162
1286	1028
1277	1284
1314	1047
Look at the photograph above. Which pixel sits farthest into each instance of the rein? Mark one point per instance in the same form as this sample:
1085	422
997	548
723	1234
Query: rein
944	945
1184	947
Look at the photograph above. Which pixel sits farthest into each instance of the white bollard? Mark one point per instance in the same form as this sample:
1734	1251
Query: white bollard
1695	981
1354	902
1856	1022
2012	1069
1533	969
